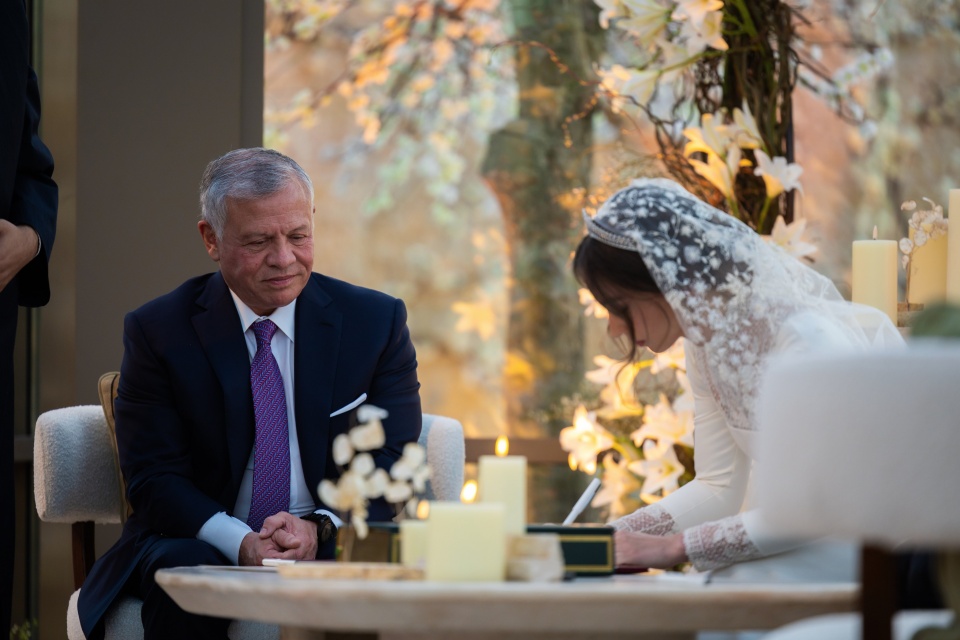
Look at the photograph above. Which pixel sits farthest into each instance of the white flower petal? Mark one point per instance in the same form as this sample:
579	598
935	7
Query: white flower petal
342	449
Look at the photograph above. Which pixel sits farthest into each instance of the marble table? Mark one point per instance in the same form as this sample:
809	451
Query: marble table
615	607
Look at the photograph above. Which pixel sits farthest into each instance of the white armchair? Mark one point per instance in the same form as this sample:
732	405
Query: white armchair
864	446
77	480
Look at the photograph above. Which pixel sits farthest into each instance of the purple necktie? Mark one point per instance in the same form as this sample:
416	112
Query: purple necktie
271	451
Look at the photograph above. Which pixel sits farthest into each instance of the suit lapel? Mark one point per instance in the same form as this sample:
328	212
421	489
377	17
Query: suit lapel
221	337
316	348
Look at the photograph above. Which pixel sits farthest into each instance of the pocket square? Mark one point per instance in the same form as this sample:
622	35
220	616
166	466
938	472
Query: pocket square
353	405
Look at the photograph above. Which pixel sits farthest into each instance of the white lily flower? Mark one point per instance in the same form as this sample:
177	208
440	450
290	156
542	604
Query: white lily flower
586	438
661	470
646	20
696	11
369	436
747	134
617	481
789	237
711	137
342	450
719	173
663	424
708	33
606	373
591	306
778	174
672	358
609	9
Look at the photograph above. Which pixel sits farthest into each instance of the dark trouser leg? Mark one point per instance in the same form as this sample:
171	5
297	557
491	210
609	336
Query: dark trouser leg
162	618
8	330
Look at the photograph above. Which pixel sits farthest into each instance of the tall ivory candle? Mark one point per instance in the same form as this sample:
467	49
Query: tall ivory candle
504	480
875	274
465	542
953	248
928	271
413	542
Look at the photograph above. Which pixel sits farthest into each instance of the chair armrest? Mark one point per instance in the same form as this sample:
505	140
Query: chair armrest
75	471
442	437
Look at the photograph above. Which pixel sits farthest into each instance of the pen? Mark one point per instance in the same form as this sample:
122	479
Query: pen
583	501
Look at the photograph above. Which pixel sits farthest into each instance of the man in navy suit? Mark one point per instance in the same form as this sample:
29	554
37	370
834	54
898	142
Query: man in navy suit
190	408
28	217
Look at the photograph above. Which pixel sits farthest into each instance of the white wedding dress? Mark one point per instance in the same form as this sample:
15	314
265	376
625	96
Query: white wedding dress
741	303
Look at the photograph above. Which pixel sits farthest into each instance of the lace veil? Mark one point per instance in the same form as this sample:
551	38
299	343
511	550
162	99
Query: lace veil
730	290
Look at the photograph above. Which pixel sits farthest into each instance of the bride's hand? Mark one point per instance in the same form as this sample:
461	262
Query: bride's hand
644	550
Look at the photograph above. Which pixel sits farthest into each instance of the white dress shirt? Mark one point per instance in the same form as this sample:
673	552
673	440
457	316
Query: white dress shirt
227	532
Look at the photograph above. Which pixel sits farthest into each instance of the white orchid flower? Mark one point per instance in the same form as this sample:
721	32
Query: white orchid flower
368	412
778	174
359	522
342	450
362	465
369	436
346	495
412	458
375	485
789	237
585	439
397	492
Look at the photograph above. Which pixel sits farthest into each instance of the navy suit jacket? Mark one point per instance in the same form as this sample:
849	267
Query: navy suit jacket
184	408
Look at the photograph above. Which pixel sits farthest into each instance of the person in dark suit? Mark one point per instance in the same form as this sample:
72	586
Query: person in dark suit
264	353
28	216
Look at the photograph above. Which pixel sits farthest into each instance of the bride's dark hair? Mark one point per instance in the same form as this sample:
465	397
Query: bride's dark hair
608	273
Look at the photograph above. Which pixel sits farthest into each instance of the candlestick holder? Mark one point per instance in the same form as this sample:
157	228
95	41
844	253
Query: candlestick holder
906	312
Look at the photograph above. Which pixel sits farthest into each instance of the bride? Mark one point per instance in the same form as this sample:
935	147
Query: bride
667	265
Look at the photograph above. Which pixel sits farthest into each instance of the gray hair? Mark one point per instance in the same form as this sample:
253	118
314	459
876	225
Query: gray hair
246	174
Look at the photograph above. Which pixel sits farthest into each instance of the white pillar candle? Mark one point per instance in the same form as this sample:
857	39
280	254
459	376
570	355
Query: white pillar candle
875	274
504	480
413	543
953	248
465	542
928	271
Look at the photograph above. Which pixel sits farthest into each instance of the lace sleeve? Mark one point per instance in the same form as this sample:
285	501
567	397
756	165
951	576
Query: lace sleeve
717	544
652	519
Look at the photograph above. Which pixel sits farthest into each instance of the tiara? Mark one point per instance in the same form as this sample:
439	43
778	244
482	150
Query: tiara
606	236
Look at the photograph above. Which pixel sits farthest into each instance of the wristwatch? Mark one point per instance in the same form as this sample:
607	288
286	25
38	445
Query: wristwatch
326	534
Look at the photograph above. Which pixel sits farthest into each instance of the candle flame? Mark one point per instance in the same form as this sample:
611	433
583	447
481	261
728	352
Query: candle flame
423	510
502	446
874	232
572	462
469	491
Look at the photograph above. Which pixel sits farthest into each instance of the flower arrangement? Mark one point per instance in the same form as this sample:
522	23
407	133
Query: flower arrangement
715	78
925	225
644	448
361	481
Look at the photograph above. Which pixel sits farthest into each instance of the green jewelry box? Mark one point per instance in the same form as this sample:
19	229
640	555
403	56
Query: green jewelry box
587	548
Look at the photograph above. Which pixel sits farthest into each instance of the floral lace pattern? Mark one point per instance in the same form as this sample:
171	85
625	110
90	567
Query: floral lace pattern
653	520
731	291
718	544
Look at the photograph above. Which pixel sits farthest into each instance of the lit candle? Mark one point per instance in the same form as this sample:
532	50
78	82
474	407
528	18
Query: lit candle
875	274
953	248
465	542
928	271
504	480
413	542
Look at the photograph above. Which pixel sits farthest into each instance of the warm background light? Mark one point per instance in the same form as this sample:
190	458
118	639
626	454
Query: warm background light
469	491
502	446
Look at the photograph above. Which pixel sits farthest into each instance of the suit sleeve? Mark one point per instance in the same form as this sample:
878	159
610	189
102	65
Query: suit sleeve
396	388
34	201
154	443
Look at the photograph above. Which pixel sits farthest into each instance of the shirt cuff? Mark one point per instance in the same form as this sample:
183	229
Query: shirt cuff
336	520
39	243
226	533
